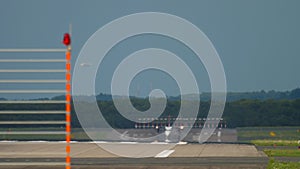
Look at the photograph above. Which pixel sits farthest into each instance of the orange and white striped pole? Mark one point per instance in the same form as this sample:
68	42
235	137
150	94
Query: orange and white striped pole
67	42
68	108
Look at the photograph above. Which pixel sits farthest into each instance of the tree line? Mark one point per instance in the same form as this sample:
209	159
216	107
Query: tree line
241	113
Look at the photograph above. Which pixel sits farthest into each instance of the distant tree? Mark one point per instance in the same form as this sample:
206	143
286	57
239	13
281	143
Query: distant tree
295	94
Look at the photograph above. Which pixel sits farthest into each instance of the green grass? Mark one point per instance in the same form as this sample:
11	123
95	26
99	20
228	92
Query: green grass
275	142
283	165
270	136
282	152
246	134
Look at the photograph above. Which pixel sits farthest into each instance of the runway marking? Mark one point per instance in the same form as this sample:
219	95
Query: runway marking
124	134
97	142
155	142
181	143
164	154
129	142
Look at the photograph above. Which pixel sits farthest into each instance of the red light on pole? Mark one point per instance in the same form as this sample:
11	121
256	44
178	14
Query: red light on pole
67	39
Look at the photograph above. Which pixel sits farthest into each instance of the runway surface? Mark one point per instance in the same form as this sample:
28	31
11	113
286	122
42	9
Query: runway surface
45	155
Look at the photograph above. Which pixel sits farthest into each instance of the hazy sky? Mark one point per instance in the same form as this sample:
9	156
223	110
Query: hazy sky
258	41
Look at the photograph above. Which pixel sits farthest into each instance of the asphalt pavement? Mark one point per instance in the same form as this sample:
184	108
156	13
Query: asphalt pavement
45	155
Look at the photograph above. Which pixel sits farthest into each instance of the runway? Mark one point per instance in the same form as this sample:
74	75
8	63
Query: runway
24	155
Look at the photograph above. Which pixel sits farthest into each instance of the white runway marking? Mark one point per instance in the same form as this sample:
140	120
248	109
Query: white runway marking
164	154
101	142
129	142
181	143
155	142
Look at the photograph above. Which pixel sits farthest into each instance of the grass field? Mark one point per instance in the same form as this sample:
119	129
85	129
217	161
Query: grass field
283	165
274	137
248	134
275	142
283	153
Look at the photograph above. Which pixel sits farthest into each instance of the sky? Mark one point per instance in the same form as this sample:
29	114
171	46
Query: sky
257	41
